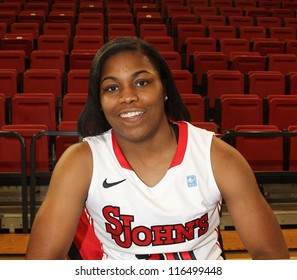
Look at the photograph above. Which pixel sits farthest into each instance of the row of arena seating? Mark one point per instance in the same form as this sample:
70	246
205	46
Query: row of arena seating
44	77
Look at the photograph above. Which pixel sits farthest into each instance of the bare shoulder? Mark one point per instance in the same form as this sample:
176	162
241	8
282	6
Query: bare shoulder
74	168
79	153
230	168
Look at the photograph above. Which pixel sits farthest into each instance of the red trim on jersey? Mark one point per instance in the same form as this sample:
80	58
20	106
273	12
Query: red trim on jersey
179	154
86	241
119	154
181	145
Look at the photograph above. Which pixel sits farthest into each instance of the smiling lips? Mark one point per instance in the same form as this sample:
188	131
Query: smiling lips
131	114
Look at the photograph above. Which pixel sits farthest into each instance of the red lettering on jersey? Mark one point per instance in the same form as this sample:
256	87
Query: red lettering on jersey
147	236
163	235
203	225
120	228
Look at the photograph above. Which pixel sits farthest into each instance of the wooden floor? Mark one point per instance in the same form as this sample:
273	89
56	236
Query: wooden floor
13	246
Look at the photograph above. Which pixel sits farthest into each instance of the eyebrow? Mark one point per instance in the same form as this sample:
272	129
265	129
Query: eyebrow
135	74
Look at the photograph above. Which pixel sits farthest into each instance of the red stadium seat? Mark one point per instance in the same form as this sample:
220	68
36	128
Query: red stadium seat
57	28
153	29
221	31
78	80
120	29
204	61
184	80
53	42
161	43
13	59
284	63
282	110
188	30
72	106
87	42
63	142
197	44
172	58
221	82
264	83
43	80
81	59
95	29
247	61
196	106
34	108
8	82
240	109
25	27
48	59
210	126
262	153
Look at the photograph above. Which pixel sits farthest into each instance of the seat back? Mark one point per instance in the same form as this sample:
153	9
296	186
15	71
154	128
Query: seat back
120	29
196	106
204	61
152	29
198	44
25	27
188	30
221	31
262	152
264	83
184	80
245	62
48	59
282	110
284	63
63	142
53	42
228	45
19	41
13	59
11	156
172	58
34	108
43	80
240	109
78	80
73	103
9	82
282	33
57	28
221	82
87	42
161	43
81	59
210	126
95	29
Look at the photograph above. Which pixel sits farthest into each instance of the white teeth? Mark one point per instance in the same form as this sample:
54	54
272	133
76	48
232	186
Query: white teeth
131	114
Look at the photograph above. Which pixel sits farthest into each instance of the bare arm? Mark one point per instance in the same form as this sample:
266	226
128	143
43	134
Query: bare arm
56	220
252	217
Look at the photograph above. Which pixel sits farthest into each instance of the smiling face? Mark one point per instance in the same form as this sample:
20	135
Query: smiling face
132	96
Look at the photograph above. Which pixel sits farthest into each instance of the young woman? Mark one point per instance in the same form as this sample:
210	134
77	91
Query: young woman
148	183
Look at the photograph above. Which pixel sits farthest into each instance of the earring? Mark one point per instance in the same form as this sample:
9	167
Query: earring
166	98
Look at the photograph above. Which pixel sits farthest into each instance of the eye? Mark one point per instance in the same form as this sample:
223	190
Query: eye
142	83
111	88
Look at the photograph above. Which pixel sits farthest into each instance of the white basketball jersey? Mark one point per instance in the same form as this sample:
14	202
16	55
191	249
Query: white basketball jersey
176	219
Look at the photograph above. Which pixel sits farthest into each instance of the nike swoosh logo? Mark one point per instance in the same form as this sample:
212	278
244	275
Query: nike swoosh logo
109	185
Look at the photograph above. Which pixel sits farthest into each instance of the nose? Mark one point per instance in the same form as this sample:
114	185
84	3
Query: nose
128	95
